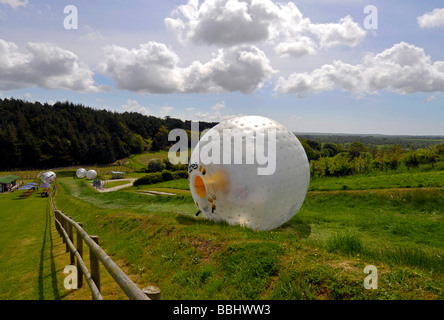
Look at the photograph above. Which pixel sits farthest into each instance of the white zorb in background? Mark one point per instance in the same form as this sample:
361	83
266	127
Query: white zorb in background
81	173
91	174
237	193
48	177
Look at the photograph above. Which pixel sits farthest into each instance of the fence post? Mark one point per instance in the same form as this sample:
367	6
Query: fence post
95	265
153	293
56	216
71	237
80	251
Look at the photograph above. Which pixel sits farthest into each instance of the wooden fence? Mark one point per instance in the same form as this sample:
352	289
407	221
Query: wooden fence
65	226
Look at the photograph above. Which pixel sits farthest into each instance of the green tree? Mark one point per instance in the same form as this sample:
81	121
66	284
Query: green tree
311	154
155	165
160	140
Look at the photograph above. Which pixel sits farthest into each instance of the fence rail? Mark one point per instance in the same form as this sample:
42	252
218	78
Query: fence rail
65	226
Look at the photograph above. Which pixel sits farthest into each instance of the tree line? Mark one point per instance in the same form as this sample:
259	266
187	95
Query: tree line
36	135
330	159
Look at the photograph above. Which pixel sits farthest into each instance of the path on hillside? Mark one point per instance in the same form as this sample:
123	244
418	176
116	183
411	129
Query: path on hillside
116	187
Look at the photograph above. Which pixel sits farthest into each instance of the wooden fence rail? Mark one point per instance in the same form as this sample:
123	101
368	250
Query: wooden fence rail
64	226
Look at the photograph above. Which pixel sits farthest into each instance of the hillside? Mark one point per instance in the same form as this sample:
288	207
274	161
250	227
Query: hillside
39	135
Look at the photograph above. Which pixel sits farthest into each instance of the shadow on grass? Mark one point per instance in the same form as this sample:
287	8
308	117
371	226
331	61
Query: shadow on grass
188	220
297	226
53	274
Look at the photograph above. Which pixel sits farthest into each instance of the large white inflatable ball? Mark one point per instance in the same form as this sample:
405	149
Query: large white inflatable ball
91	174
81	173
48	177
262	177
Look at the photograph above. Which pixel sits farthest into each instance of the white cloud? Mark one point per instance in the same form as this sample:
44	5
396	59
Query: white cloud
215	115
297	48
218	106
28	95
155	68
165	111
236	22
134	106
432	19
243	69
44	65
346	32
430	99
404	68
91	35
15	3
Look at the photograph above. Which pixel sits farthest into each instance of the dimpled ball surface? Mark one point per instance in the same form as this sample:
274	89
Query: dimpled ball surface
81	173
91	174
48	177
236	193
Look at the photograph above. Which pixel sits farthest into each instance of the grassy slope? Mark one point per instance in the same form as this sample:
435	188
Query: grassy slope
28	250
33	256
320	254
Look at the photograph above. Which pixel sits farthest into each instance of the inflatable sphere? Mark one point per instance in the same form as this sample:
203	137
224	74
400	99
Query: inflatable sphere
249	171
81	173
91	174
48	177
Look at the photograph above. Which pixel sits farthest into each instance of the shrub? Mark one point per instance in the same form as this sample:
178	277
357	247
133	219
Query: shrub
156	165
166	175
183	174
154	177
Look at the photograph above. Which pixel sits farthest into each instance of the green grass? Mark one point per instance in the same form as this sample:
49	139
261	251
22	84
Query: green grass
379	181
140	161
319	254
28	249
390	220
182	184
117	183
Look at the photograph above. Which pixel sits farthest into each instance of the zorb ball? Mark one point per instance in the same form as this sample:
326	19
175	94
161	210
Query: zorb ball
48	177
249	171
91	174
81	173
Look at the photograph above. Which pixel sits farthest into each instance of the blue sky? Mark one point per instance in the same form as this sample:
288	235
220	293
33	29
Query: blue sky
311	65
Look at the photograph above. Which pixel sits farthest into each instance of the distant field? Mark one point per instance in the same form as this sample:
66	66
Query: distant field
139	161
380	181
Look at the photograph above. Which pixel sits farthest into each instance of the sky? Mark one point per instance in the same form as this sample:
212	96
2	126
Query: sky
332	66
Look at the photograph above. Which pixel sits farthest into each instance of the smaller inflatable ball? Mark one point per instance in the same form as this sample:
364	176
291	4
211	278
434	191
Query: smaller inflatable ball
48	177
231	181
91	174
81	173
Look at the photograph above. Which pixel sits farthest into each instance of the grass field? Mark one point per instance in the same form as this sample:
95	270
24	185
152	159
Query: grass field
33	257
319	254
391	221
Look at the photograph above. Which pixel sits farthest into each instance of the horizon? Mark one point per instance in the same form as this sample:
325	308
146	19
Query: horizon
295	132
340	67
